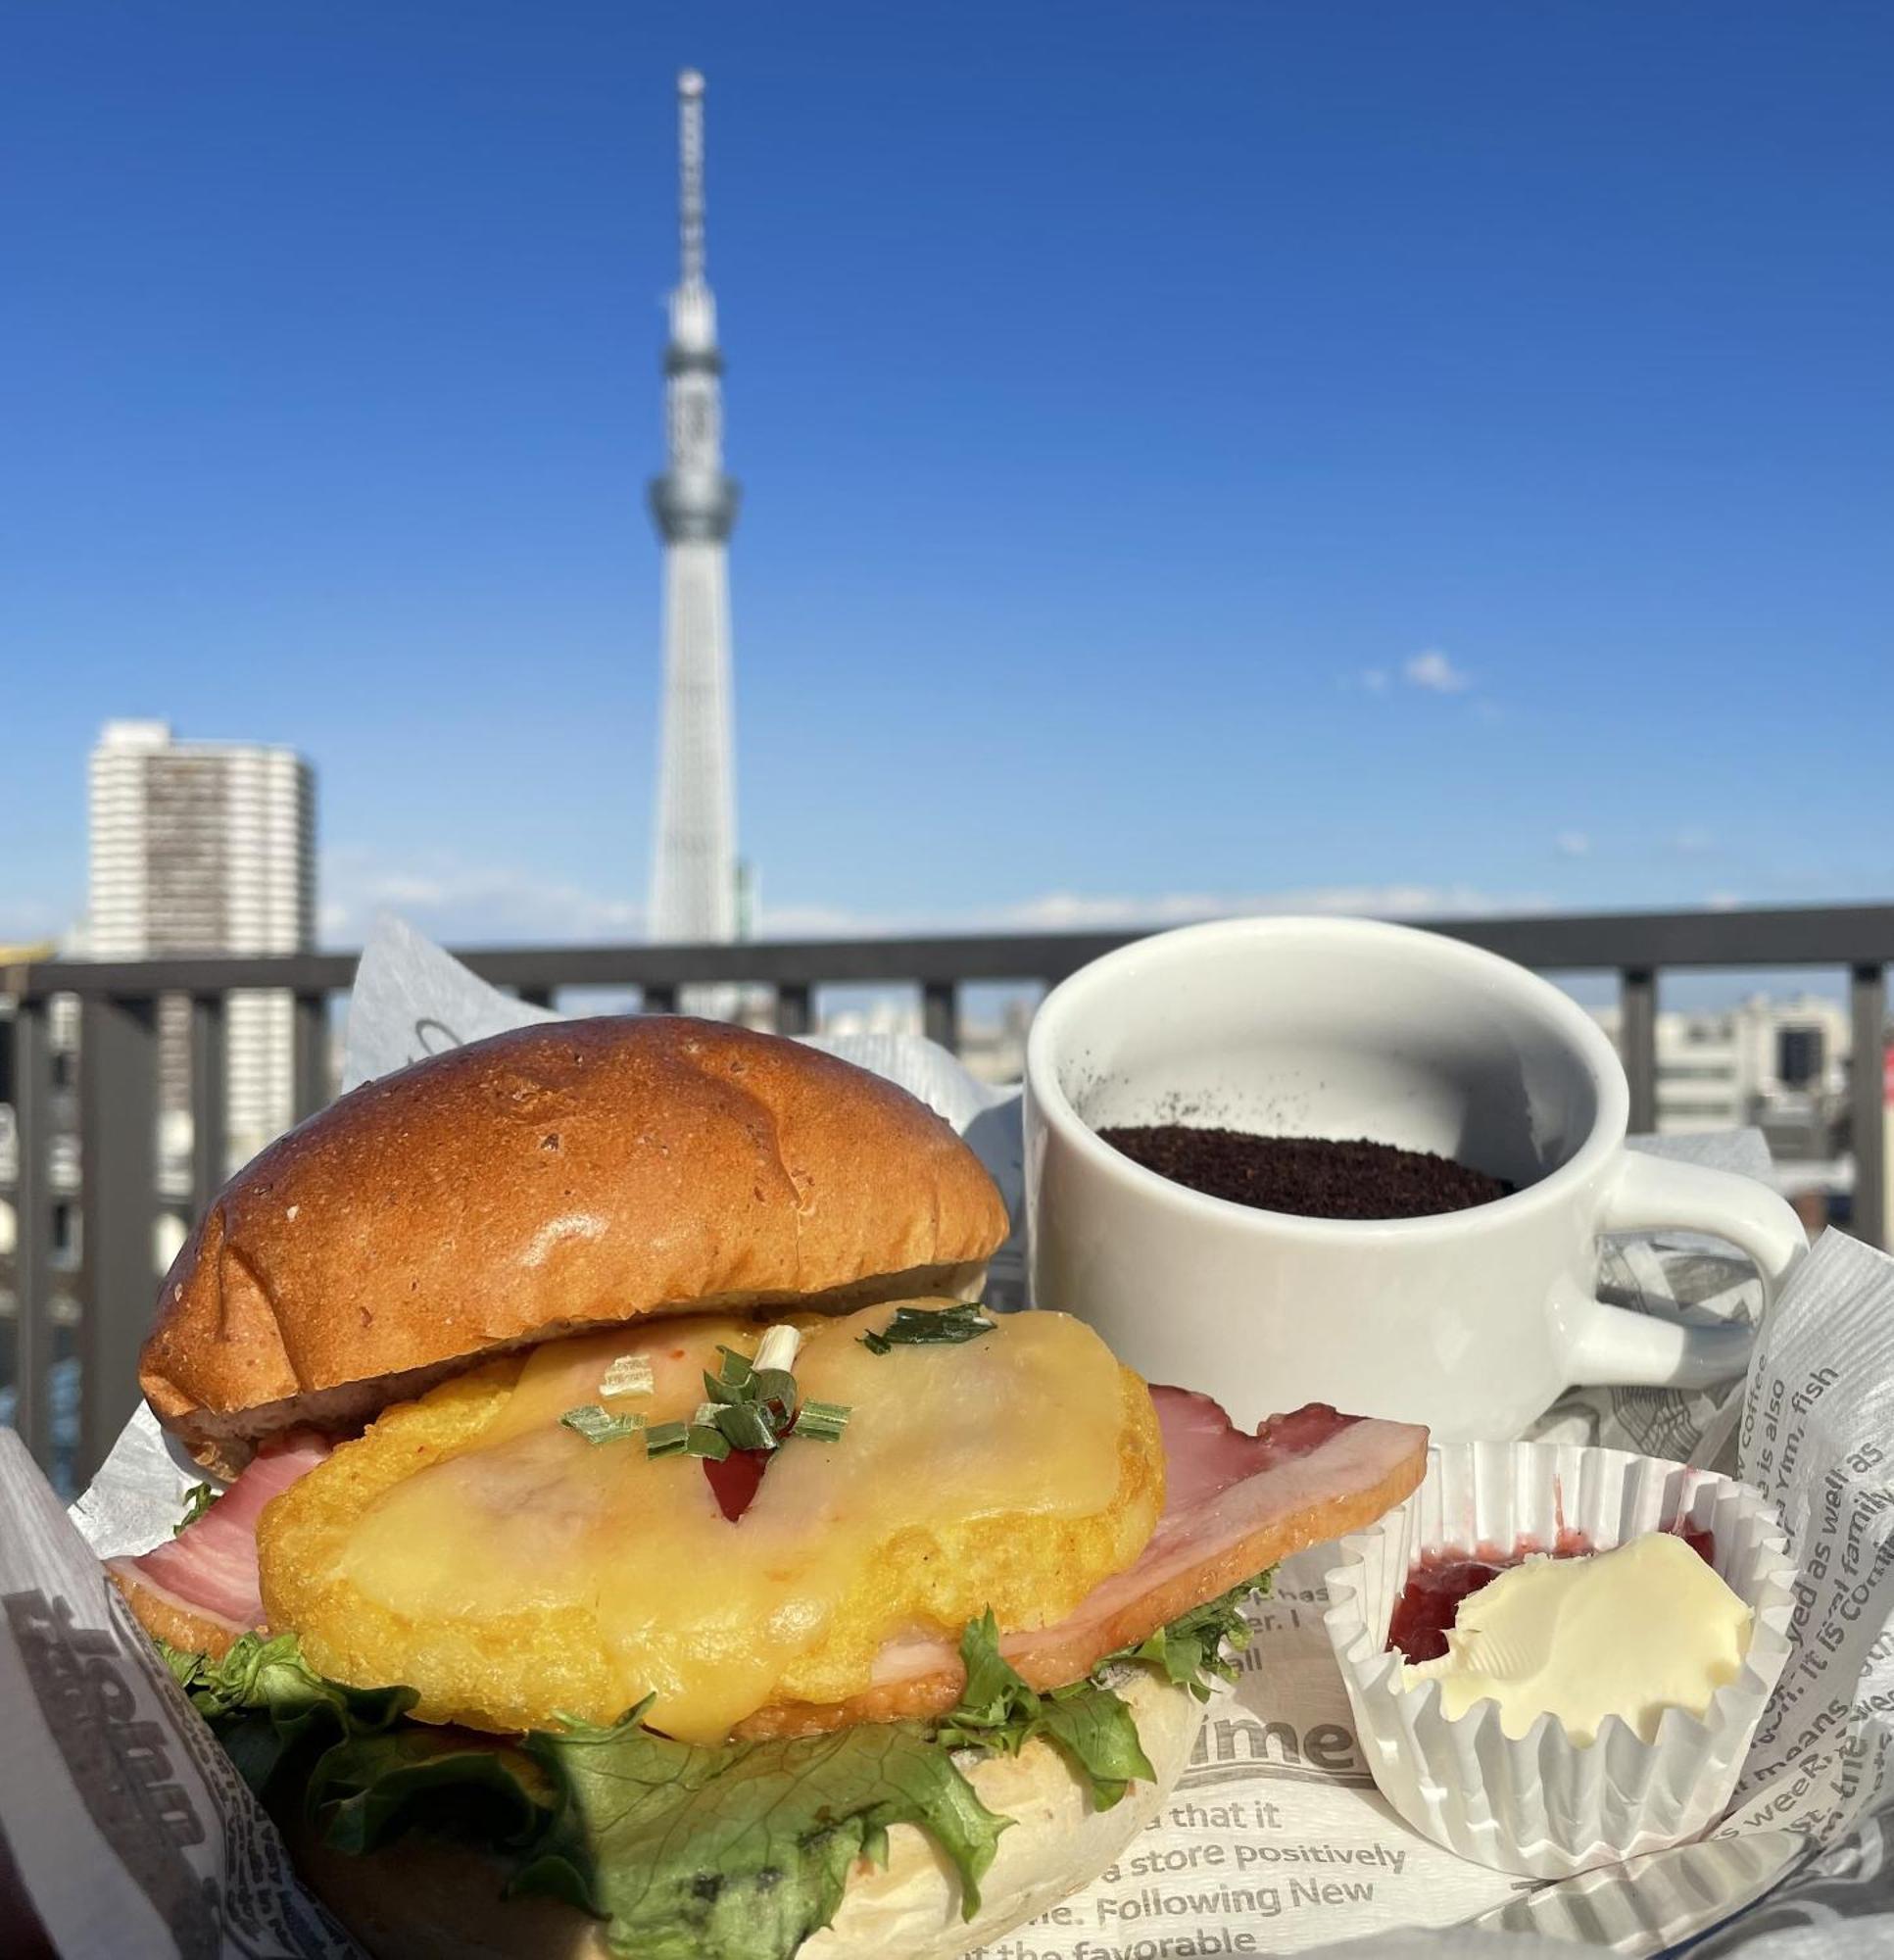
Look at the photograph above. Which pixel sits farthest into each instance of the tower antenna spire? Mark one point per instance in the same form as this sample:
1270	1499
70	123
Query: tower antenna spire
690	176
694	503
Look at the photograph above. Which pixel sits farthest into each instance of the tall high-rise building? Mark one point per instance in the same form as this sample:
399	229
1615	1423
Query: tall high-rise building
207	846
693	859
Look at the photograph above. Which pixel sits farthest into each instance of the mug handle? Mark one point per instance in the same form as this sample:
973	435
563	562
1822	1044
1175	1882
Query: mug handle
1616	1347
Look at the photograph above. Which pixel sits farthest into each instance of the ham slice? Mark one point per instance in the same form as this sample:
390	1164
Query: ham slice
200	1589
1233	1507
1235	1504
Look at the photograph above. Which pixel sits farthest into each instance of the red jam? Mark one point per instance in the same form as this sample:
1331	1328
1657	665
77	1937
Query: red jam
1437	1586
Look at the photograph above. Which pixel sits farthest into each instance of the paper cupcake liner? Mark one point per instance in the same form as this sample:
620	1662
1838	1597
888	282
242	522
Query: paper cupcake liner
1541	1805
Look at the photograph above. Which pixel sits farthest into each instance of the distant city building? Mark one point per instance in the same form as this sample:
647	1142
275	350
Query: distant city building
992	1045
1777	1066
1778	1063
205	848
694	895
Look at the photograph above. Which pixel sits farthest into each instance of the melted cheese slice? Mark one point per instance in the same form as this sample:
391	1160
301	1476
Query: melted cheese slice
1023	1424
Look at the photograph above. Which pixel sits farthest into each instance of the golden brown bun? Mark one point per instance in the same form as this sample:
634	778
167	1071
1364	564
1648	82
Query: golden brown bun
424	1902
558	1177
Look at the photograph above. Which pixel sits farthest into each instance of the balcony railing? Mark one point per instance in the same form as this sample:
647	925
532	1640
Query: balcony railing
117	1095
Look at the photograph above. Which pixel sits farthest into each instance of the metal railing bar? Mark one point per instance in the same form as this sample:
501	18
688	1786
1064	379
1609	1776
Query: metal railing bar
1838	936
1866	1099
309	1054
1779	935
795	1008
117	1157
1637	1042
940	1013
209	1136
33	1089
205	974
658	999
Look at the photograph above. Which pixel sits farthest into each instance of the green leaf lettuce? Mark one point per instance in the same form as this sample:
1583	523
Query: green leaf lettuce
741	1851
735	1852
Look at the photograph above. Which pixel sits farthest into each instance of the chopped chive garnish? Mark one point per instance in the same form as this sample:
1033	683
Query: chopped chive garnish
197	1500
746	1426
821	1422
598	1425
746	1404
731	1381
773	1389
926	1327
686	1439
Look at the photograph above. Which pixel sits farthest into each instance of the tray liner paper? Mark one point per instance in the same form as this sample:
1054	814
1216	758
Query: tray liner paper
132	1836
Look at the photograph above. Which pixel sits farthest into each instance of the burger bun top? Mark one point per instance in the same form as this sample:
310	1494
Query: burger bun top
566	1176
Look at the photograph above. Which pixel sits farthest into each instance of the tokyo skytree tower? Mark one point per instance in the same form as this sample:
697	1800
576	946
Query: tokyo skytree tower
694	861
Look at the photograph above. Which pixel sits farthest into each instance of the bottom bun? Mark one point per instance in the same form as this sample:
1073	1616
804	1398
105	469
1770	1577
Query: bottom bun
432	1901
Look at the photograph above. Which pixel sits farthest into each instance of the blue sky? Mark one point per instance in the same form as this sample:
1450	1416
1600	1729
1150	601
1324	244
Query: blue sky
1194	454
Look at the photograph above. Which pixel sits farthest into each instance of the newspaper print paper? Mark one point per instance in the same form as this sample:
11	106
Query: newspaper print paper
1275	1840
130	1828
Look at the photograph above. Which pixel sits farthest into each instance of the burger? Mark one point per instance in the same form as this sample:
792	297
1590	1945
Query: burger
630	1534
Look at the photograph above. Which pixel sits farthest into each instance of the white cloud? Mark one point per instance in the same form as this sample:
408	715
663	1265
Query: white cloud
394	888
452	899
1080	911
466	905
1573	844
1430	671
812	922
1434	672
29	922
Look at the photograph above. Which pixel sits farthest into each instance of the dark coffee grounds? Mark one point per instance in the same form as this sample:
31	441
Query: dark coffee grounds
1309	1177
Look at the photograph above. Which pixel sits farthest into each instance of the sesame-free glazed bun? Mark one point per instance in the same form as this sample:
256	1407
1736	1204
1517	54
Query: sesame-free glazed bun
569	1175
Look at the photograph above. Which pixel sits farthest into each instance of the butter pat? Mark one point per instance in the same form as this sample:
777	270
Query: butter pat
1630	1632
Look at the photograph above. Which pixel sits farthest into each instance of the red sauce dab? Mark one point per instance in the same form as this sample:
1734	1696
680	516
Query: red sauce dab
1437	1586
735	1480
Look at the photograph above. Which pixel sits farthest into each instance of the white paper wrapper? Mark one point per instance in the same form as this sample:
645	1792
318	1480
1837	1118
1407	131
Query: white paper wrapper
1540	1804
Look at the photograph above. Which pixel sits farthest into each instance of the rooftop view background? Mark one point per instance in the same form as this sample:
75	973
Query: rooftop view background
1192	455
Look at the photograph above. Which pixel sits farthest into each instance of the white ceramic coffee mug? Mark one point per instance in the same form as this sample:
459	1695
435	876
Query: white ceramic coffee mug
1473	1321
